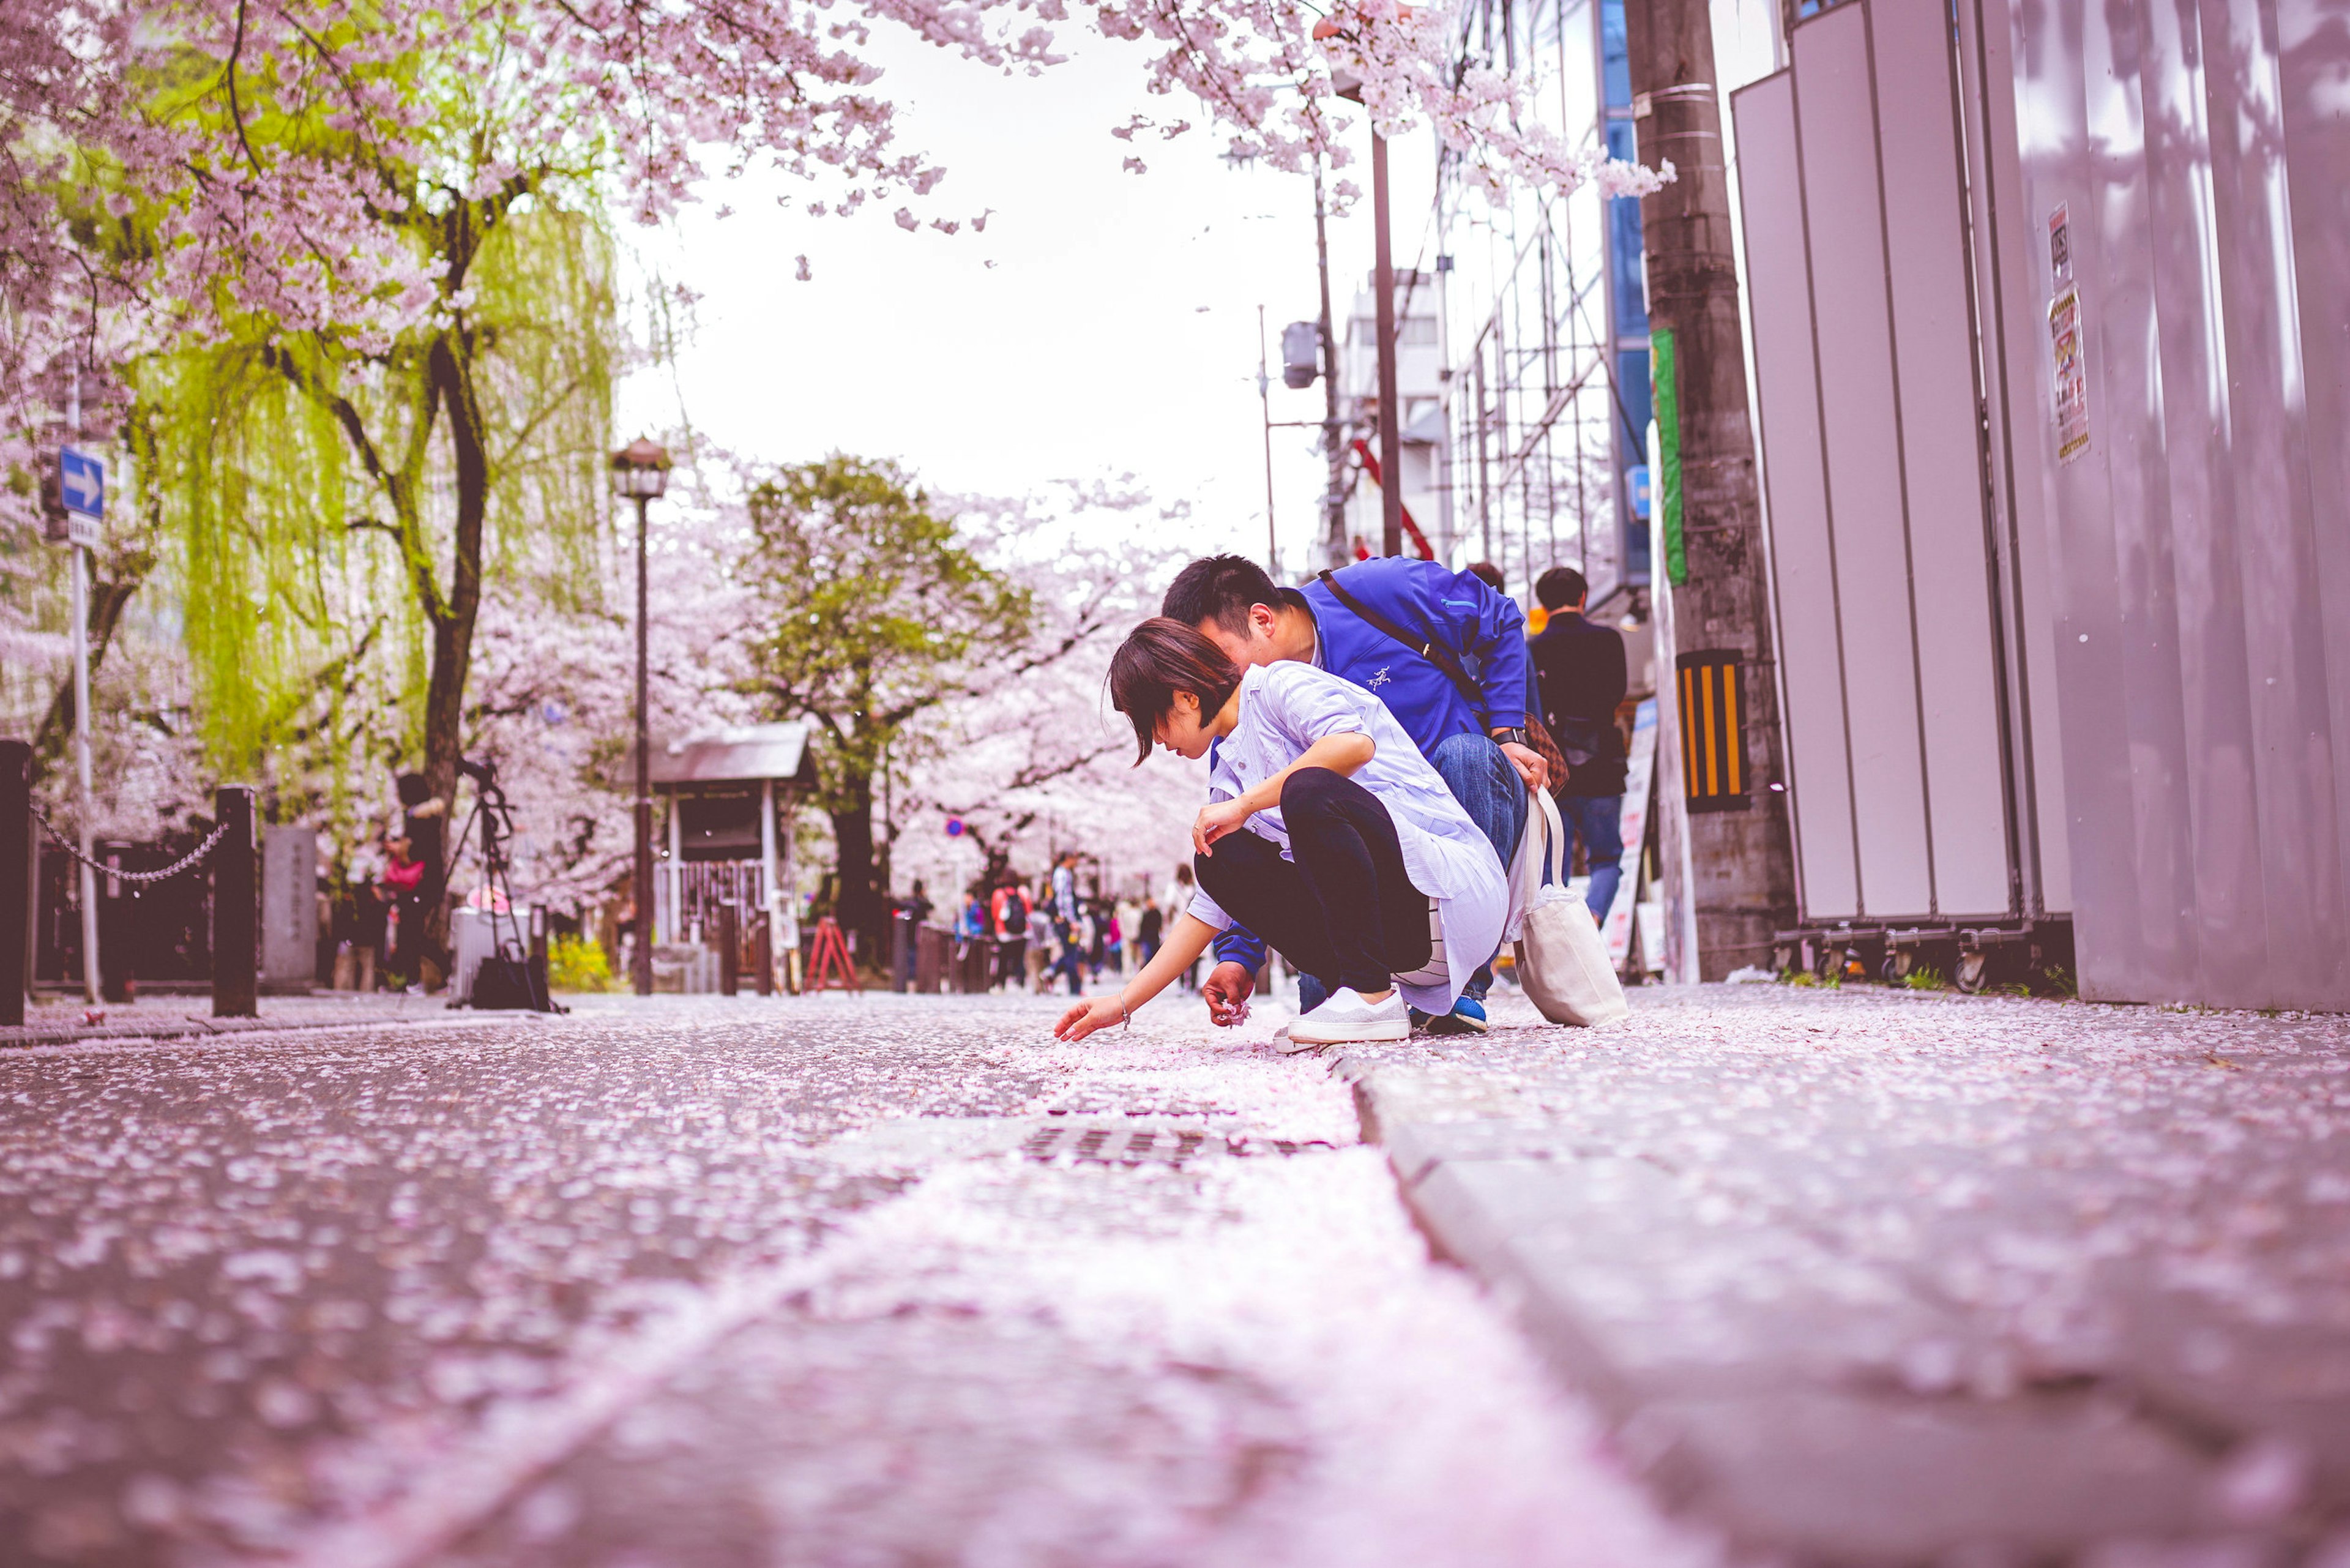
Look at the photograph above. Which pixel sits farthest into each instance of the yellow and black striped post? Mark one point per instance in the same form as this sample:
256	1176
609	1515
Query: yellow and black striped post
1714	738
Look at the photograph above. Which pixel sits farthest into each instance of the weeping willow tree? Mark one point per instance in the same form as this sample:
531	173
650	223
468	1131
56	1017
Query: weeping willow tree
396	381
333	516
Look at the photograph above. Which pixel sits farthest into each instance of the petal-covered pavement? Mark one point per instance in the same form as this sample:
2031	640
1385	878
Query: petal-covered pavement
796	1281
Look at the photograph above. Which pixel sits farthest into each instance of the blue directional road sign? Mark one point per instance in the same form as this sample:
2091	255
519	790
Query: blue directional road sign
81	487
81	480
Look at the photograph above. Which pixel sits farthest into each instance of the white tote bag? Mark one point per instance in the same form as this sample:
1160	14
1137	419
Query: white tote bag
1562	958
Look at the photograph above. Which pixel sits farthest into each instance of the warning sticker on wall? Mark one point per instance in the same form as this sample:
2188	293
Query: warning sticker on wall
2071	374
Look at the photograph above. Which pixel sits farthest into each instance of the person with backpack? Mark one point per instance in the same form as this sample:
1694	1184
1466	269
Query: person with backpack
1009	913
1409	632
1581	666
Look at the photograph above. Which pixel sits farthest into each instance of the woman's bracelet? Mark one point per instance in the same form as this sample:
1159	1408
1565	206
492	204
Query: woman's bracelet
1125	1017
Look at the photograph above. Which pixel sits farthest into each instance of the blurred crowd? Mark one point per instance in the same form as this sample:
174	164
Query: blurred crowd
1055	932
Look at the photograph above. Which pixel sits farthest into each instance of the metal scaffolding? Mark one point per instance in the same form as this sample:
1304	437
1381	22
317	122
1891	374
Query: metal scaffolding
1545	389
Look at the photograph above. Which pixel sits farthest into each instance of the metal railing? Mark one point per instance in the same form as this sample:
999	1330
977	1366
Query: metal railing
229	851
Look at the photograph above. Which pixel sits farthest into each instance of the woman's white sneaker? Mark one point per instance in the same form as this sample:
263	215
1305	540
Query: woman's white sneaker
1345	1019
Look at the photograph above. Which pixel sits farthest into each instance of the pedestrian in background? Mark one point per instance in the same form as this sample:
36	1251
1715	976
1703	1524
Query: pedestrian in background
370	919
1069	928
425	827
970	931
1146	931
1171	904
1040	935
1008	918
915	907
402	892
1580	667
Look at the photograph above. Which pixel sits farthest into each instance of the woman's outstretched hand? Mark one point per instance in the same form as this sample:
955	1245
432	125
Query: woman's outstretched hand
1087	1016
1218	819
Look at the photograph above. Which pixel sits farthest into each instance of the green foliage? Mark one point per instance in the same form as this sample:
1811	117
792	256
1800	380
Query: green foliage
1926	978
358	429
578	964
870	610
301	553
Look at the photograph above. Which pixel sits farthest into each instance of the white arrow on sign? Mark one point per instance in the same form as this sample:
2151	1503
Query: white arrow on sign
82	481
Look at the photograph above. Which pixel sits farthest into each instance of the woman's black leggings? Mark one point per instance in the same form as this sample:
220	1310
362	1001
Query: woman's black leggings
1343	909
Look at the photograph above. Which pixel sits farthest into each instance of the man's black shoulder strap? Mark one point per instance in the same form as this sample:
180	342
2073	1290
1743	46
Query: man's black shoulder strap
1435	652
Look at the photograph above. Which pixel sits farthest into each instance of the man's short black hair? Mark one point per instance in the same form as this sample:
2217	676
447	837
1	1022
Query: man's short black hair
1561	587
1490	574
1220	588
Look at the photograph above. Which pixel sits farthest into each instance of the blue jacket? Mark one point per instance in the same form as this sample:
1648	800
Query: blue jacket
1453	609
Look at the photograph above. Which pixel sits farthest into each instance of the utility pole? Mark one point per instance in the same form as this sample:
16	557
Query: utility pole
1334	434
90	984
1383	284
1265	409
1742	860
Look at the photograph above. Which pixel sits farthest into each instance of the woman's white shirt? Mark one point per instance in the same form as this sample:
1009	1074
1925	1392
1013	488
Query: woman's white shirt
1285	709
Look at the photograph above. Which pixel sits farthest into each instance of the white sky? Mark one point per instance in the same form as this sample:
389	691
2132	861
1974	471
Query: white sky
1115	332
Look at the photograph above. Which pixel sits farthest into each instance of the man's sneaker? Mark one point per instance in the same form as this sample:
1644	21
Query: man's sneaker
1467	1017
1345	1019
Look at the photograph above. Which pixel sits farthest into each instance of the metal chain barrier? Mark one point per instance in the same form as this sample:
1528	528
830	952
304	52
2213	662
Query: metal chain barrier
192	856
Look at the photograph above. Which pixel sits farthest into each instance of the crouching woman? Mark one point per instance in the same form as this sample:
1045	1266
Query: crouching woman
1326	833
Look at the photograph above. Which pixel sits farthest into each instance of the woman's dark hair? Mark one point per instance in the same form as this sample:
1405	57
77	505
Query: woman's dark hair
1159	658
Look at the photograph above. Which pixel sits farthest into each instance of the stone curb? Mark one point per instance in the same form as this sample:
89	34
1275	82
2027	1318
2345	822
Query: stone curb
1783	1421
162	1031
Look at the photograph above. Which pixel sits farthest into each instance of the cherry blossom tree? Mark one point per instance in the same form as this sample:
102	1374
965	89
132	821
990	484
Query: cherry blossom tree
868	610
550	709
1031	760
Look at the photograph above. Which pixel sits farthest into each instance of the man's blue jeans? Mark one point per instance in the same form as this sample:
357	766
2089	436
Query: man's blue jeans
1598	821
1490	790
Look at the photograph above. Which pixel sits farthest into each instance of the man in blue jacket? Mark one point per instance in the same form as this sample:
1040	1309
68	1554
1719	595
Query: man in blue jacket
1409	632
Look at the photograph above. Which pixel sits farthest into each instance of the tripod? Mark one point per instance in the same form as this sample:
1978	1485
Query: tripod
507	979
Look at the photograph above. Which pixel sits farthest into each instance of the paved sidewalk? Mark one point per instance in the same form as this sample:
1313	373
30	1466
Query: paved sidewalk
54	1021
1876	1277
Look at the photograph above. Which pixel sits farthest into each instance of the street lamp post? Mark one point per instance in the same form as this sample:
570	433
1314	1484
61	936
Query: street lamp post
641	472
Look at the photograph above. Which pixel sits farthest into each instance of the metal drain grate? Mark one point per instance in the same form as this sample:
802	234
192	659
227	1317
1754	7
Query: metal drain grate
1099	1144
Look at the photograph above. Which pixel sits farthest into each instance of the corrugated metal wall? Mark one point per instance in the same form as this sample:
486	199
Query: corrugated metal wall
1878	481
2199	154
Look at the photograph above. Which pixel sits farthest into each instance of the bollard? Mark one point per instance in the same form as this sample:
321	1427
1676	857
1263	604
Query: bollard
763	955
15	878
730	950
236	908
117	932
